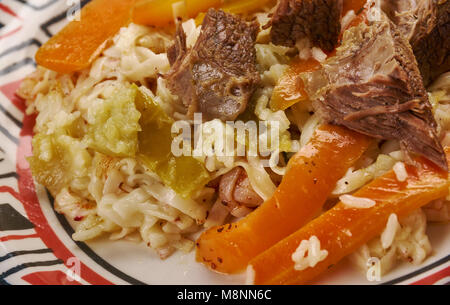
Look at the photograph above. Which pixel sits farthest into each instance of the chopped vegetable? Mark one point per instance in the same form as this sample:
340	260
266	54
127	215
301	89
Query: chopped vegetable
57	160
113	123
184	175
77	45
342	230
161	12
311	177
290	87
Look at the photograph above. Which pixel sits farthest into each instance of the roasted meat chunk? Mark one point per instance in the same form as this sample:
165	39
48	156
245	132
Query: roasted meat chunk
317	20
373	86
218	75
426	24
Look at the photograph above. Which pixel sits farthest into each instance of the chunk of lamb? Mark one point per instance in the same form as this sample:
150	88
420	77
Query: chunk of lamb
373	86
218	75
316	20
426	24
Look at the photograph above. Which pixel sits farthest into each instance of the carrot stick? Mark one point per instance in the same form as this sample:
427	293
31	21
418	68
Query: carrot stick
342	230
245	6
311	177
77	45
160	12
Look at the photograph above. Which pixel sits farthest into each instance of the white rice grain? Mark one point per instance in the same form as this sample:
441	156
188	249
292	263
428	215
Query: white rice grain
304	49
308	254
357	202
374	14
388	235
318	54
400	171
347	19
250	275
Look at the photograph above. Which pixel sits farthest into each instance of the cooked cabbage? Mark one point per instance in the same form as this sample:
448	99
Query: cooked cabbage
113	123
184	175
57	160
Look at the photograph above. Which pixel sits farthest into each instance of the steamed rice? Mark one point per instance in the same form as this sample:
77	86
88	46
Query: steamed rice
357	202
308	254
400	171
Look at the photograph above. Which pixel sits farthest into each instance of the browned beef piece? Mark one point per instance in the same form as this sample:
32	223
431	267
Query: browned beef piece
179	48
317	20
373	86
218	75
426	24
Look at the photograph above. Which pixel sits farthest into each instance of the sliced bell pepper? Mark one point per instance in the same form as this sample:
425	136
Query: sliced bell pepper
310	179
342	230
79	43
183	174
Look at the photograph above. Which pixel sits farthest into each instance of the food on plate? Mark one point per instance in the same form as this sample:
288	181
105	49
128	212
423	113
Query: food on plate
425	25
163	12
343	229
372	85
273	137
290	88
218	75
316	167
78	44
316	21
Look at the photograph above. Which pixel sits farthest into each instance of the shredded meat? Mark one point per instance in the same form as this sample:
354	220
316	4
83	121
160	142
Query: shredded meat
413	105
373	86
235	190
218	75
426	25
317	20
179	48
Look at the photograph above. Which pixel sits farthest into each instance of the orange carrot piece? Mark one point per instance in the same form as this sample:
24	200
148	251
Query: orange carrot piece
77	45
245	6
342	230
238	7
290	88
160	12
311	177
194	7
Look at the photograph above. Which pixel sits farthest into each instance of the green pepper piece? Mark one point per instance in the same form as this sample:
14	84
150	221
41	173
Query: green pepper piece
184	174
